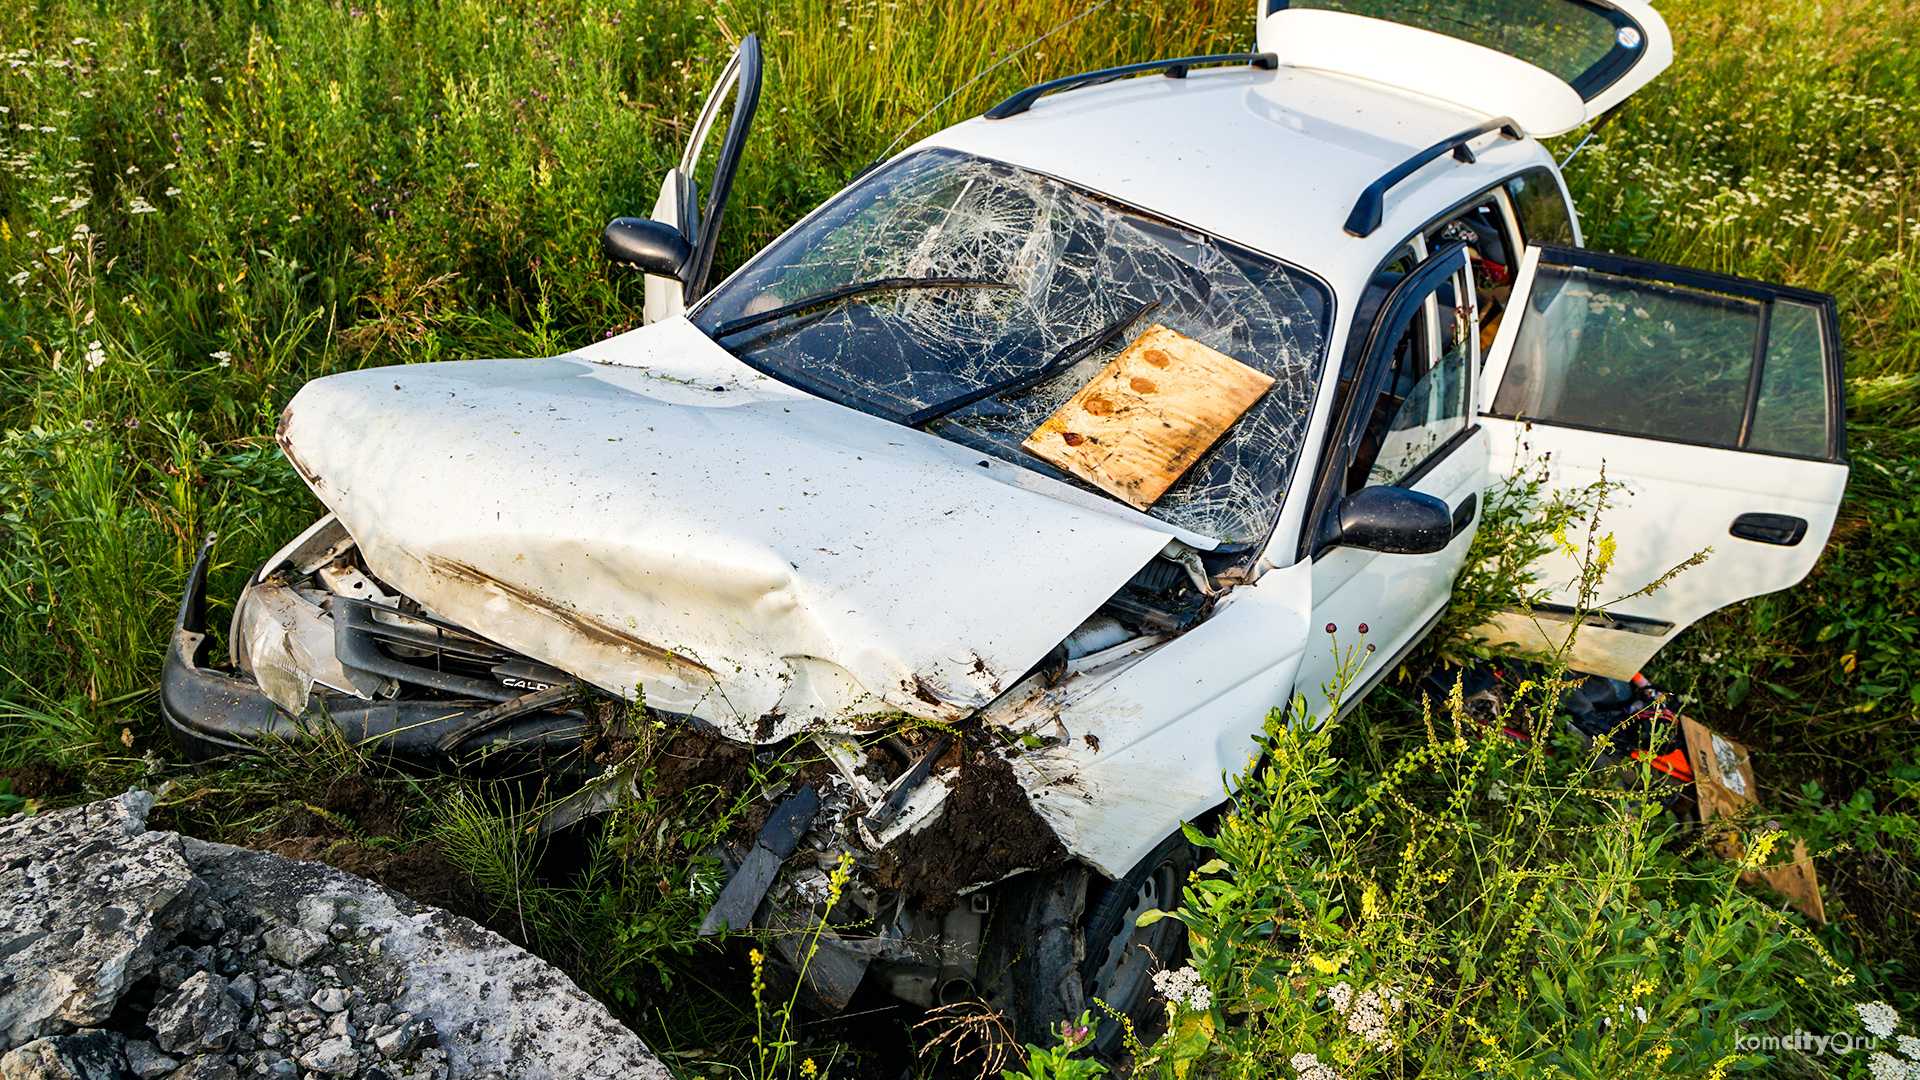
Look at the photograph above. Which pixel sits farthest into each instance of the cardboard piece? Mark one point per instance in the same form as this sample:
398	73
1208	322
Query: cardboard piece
1143	421
1724	786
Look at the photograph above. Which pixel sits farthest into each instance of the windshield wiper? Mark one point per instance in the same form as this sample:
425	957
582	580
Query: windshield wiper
1065	358
847	292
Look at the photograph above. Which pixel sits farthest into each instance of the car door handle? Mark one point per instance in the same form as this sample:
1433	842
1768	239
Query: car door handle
1782	529
1463	514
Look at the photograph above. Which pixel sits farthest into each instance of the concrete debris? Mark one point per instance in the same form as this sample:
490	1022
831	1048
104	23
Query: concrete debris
154	956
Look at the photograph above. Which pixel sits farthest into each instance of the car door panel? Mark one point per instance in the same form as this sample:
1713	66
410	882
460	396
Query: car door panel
679	201
1713	408
1430	446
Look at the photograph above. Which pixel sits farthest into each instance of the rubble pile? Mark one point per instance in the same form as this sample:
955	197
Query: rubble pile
134	955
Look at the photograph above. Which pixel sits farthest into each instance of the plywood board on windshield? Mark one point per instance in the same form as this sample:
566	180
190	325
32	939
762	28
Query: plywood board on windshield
1142	422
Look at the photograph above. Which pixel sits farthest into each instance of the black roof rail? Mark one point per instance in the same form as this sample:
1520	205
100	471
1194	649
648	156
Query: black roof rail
1175	69
1368	211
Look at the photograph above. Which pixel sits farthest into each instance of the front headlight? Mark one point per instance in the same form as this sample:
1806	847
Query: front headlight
284	640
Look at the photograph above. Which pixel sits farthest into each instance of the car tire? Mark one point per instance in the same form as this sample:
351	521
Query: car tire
1057	948
1122	956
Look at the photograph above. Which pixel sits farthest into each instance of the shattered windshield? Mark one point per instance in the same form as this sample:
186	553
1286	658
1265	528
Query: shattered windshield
1075	265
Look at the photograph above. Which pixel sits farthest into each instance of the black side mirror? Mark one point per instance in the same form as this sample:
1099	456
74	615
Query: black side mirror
652	246
1391	520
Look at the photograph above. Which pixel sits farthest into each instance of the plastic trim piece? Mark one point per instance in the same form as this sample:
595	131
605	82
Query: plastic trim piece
1173	69
1371	207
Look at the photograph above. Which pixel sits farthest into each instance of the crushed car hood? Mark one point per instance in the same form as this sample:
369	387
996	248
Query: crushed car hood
658	519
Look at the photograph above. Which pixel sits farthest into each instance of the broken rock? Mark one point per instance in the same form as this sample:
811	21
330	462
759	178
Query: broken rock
147	1062
88	898
199	1017
86	1055
292	945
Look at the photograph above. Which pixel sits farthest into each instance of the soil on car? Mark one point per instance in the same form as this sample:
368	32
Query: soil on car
987	831
358	825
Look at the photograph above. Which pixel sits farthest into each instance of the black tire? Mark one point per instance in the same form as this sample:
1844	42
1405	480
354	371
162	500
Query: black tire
1049	953
1121	957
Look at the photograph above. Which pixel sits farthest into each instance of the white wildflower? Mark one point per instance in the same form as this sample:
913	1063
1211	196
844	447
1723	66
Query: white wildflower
1310	1068
1878	1016
1885	1066
1342	996
95	355
1369	1015
1184	987
172	191
225	358
139	205
56	249
20	278
1909	1046
471	165
131	169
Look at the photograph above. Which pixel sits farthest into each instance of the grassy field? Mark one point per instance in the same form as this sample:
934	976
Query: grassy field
203	205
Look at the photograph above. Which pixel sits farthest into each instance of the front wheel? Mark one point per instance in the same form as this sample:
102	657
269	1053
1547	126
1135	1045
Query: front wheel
1058	947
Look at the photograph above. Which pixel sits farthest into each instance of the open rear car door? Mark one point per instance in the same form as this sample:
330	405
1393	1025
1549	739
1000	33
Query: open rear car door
679	202
1551	65
1716	404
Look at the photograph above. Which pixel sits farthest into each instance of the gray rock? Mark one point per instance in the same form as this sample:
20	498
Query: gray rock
84	1055
206	1067
329	999
146	1061
292	945
199	1017
334	1057
88	898
244	989
407	1040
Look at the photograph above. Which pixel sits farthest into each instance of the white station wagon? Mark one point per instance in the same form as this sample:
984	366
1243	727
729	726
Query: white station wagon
1015	484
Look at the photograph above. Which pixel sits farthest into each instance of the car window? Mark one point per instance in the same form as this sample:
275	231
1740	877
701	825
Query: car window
1541	208
1572	39
1076	264
1639	357
1423	403
1493	254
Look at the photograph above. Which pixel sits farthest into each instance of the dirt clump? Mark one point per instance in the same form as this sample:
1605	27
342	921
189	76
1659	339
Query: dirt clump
987	831
39	780
357	825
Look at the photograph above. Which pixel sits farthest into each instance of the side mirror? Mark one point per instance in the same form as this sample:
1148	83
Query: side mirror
1395	521
652	246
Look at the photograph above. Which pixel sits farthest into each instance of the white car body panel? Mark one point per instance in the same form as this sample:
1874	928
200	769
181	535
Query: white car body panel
1151	741
1474	77
810	565
1457	72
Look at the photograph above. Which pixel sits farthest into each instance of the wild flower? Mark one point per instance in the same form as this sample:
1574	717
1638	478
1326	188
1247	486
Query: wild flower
1184	988
1310	1068
1878	1016
1885	1066
20	278
172	191
95	356
225	358
1909	1046
141	206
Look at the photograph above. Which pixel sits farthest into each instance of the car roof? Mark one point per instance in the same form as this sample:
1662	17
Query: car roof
1272	159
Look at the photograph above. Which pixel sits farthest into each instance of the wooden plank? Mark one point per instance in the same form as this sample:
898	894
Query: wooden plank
1143	421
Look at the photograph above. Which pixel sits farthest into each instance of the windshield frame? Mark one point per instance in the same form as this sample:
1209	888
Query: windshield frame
837	390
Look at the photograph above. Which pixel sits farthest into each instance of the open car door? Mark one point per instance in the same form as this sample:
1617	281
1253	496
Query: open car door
1551	65
1715	404
679	202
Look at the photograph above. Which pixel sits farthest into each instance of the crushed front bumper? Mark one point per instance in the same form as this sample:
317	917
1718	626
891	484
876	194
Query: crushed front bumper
209	712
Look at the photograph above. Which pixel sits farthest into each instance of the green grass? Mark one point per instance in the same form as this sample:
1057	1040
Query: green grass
203	205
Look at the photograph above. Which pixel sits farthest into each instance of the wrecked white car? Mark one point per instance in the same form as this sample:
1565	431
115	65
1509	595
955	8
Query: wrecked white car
1019	481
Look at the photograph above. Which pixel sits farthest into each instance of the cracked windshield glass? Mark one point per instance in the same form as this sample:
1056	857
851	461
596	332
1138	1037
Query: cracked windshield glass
1070	267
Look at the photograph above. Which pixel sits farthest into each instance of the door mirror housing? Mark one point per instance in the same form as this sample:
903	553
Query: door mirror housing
1395	521
652	246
